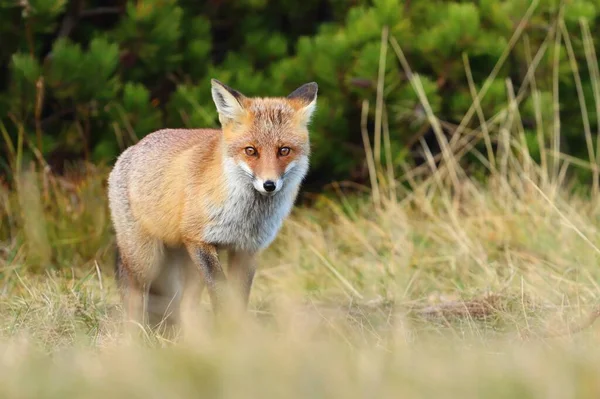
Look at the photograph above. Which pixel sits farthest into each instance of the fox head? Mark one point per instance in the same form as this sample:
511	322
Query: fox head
266	139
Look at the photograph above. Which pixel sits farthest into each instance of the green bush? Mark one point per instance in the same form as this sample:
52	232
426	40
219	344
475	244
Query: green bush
92	79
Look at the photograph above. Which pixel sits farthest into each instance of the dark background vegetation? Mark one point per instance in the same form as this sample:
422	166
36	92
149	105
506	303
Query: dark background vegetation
83	79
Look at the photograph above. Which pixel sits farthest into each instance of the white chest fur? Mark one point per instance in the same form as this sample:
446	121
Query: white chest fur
248	220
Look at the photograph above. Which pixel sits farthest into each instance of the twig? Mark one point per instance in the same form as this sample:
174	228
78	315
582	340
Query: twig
70	20
100	11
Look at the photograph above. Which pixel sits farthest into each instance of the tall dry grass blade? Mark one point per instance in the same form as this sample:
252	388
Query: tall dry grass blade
563	217
369	154
582	163
582	105
539	120
488	82
345	203
504	142
126	123
449	159
550	36
344	281
39	104
562	174
592	61
388	158
99	274
39	252
464	144
482	122
556	100
415	82
408	176
20	142
10	147
435	173
524	148
379	100
119	135
352	229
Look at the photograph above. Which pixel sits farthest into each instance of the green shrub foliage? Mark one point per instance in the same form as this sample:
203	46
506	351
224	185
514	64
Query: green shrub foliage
87	78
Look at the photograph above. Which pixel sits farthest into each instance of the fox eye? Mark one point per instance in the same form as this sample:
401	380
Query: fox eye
284	151
250	151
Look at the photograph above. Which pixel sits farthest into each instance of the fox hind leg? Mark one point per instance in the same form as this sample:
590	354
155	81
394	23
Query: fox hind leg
133	295
168	290
141	261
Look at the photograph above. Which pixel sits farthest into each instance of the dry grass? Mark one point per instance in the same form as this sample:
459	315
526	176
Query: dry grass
435	285
432	295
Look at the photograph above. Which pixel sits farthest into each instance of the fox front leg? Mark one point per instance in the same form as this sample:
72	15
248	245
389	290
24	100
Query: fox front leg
206	260
242	267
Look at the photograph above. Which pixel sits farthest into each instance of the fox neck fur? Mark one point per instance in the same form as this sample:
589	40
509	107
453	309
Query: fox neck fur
248	220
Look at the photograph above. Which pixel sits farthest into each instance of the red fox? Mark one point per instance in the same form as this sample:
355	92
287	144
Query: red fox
180	195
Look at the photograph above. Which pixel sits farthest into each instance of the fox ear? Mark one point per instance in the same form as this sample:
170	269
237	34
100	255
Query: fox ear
227	100
307	96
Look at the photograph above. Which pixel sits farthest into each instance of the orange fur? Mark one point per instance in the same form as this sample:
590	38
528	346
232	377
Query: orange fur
173	198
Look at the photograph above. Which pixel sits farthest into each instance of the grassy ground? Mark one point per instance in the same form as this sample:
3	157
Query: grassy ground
445	291
437	285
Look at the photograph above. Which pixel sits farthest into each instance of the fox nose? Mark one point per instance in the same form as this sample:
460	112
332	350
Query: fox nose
269	185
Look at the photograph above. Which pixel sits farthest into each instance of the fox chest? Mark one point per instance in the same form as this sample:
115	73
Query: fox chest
248	221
